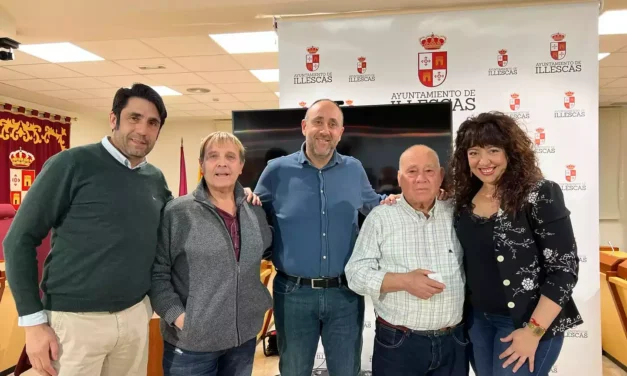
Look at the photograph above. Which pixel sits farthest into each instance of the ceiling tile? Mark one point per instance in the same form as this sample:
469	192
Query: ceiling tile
612	72
268	60
199	45
98	68
81	83
256	97
205	113
189	107
183	88
617	59
621	82
178	113
608	98
120	49
273	86
264	105
126	81
35	85
208	63
230	106
210	98
229	77
21	58
244	88
612	43
102	93
7	74
169	66
613	91
94	102
45	71
179	99
67	94
228	114
175	79
605	81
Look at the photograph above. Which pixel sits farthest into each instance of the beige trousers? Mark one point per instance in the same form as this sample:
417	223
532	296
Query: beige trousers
102	343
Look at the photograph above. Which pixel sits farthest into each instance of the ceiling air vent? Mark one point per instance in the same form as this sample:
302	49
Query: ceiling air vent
152	67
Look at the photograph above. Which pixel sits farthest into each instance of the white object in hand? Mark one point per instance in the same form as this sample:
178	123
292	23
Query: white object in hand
436	277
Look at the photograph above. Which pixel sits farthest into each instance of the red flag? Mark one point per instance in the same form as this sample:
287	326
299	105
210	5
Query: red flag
183	176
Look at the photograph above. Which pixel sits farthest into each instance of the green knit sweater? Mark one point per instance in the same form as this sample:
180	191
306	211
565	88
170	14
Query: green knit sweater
104	219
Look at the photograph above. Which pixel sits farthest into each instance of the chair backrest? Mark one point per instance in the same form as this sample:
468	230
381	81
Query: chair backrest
7	212
3	281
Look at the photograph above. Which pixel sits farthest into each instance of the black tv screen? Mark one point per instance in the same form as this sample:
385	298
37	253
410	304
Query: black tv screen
376	135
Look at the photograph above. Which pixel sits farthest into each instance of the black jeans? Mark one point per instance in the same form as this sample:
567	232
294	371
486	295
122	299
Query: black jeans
399	353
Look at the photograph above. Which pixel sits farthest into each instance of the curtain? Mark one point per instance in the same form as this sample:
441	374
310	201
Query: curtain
27	140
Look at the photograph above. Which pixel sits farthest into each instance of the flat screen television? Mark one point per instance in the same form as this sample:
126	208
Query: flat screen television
376	135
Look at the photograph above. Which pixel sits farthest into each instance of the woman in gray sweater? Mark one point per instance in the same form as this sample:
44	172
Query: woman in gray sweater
206	285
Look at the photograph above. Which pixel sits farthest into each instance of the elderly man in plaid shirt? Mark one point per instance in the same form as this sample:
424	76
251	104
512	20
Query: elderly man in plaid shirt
408	260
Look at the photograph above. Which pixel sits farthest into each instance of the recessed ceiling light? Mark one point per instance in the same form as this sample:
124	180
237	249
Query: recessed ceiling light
277	93
603	55
613	22
246	43
266	75
198	90
165	91
63	52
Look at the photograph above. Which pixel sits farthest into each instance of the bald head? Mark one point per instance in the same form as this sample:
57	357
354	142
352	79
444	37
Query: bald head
315	106
419	154
420	176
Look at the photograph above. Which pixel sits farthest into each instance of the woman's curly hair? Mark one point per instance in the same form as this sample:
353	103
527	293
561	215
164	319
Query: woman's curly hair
522	172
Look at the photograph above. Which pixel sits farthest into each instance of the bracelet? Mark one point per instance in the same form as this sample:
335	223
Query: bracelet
536	329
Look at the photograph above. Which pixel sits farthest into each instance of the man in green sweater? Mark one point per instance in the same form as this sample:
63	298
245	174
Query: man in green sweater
103	203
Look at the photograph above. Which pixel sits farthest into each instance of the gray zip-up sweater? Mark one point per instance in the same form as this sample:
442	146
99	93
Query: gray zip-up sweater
196	272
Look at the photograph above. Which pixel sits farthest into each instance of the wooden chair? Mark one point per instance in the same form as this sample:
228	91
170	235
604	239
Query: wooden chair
267	270
3	280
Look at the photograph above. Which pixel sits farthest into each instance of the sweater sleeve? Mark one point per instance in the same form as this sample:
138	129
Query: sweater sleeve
555	239
165	301
43	208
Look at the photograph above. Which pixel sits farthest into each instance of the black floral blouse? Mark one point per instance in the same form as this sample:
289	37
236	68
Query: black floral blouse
536	254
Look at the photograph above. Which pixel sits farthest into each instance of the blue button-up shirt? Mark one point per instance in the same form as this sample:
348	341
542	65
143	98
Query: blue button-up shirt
314	212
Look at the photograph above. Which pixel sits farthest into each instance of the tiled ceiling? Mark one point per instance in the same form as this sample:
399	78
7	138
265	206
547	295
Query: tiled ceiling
130	35
186	62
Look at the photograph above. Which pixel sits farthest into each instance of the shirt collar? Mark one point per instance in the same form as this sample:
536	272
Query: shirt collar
406	205
335	159
119	156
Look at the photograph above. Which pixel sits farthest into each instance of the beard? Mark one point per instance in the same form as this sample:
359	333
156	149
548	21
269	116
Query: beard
130	148
320	151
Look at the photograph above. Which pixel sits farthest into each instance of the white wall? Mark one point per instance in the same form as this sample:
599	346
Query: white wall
612	174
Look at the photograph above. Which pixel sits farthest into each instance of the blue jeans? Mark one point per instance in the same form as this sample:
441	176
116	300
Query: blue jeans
302	315
399	353
237	361
486	331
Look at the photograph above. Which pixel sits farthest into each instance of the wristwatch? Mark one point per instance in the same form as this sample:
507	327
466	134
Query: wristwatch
536	329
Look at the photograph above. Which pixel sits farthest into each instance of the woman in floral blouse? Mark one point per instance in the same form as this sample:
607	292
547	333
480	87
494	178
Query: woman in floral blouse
520	252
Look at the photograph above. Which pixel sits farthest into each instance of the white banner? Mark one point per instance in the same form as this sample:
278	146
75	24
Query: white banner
538	64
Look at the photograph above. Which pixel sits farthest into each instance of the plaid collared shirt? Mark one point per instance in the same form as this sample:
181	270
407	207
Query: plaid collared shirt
399	239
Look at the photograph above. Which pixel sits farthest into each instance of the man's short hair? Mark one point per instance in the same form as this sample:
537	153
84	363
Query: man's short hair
220	137
120	100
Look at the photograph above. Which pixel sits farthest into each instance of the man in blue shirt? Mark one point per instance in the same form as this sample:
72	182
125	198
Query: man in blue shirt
312	198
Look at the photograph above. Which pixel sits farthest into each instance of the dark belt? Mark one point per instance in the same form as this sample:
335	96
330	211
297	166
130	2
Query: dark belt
316	283
438	332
